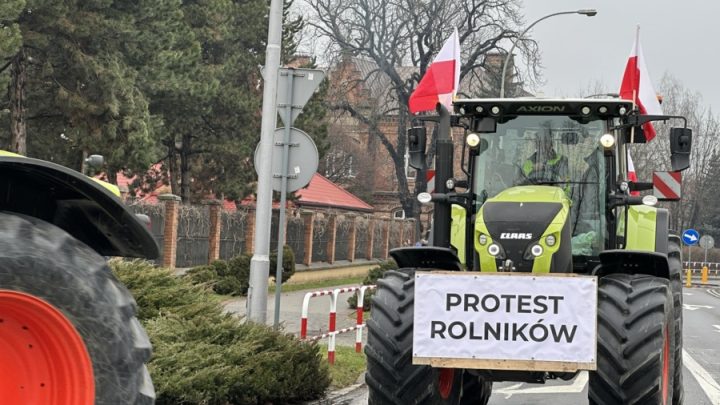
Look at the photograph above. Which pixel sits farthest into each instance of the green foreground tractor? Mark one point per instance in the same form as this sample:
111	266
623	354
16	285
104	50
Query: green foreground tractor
68	330
543	196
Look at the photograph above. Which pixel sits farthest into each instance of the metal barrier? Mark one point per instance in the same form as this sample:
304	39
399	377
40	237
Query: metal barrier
697	266
332	319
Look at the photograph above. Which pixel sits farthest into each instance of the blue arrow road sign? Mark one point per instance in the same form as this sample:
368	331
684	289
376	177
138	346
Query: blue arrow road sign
690	237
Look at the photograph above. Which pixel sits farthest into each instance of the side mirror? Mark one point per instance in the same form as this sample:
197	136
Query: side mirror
417	137
680	145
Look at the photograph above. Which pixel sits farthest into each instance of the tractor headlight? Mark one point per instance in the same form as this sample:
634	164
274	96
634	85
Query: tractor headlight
533	251
607	141
494	249
536	250
550	240
482	239
472	140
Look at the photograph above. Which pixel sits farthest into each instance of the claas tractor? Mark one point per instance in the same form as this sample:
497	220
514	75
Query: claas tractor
68	328
545	262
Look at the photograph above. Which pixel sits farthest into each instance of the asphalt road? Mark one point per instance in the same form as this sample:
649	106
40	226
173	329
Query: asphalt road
701	335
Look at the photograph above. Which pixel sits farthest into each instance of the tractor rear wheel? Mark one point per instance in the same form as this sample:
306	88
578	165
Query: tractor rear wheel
676	285
391	376
68	327
636	341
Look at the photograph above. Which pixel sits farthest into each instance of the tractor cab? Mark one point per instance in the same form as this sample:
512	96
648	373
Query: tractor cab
547	184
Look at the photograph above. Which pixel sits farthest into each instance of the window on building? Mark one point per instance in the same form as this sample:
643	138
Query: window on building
399	214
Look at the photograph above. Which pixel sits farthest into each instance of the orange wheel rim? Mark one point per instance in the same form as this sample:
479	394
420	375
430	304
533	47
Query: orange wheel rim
44	359
666	366
445	382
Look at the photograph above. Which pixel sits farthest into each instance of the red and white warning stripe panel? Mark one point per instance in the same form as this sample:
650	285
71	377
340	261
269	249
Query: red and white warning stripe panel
667	185
430	177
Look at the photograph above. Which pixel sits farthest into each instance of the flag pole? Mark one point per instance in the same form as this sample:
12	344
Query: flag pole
634	98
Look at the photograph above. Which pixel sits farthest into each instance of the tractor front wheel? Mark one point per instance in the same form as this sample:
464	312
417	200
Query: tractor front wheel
391	376
636	341
68	328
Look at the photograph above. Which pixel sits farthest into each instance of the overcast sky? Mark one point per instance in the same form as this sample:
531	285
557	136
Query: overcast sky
681	38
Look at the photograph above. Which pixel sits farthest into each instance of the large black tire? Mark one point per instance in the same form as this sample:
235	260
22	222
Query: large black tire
635	328
391	377
676	285
44	261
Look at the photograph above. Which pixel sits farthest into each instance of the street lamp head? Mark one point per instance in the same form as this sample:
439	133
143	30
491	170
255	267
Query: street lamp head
588	12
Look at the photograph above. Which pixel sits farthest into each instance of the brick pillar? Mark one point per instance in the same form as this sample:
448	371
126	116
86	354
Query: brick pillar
402	233
309	221
215	209
250	231
332	238
370	239
172	205
414	232
386	239
353	235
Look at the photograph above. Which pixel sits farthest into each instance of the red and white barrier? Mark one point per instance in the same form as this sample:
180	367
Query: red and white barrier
332	318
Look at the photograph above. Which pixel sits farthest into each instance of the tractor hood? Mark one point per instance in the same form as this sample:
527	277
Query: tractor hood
85	208
518	219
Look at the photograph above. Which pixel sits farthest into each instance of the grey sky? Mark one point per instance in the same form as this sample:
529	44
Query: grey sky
678	37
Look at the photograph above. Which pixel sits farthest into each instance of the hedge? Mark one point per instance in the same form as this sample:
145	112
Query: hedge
232	277
204	356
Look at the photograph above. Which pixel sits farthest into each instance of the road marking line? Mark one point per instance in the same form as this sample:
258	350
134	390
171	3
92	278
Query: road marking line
577	386
711	388
714	293
717	327
691	307
687	294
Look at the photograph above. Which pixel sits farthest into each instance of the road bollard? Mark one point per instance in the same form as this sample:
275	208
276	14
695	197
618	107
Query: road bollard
704	278
688	282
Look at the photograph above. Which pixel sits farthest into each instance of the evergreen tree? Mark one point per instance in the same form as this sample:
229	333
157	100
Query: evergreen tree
72	89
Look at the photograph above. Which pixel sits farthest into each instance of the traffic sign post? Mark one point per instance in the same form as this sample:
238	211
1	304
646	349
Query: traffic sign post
294	162
707	242
690	238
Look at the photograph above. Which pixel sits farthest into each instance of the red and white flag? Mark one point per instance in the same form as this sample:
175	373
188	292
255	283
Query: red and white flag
632	175
636	86
440	82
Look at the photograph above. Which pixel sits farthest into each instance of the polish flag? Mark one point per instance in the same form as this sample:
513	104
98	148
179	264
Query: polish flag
632	176
440	83
636	86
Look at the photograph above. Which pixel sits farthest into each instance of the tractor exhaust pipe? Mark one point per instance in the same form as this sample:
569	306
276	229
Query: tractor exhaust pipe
443	171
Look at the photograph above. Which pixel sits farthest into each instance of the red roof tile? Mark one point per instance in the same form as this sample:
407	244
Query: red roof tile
323	192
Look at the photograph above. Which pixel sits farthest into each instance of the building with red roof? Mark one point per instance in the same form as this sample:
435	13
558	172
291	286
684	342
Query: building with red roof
319	193
323	193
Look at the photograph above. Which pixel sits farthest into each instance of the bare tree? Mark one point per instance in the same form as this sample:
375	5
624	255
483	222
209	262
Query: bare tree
655	155
391	34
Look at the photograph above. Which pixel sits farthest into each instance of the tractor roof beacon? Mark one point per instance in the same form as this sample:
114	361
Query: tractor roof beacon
68	327
543	189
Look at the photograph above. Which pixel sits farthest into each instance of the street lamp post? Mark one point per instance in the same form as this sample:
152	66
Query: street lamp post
587	12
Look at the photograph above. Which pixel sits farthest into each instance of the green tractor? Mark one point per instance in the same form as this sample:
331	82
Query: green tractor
545	261
68	328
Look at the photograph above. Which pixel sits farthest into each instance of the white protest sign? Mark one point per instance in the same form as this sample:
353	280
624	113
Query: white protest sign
510	320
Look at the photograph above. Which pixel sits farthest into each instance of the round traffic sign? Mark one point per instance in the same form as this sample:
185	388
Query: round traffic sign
707	242
302	159
690	237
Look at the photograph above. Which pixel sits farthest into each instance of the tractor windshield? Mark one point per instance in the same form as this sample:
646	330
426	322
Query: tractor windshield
550	150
